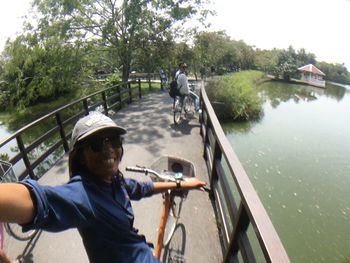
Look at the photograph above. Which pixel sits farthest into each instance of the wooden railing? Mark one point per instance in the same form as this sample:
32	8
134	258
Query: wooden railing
247	231
31	153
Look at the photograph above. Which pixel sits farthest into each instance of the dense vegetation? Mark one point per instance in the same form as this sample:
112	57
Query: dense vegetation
234	96
75	42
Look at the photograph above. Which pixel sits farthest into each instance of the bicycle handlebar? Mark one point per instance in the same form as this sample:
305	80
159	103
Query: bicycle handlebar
164	177
137	169
146	171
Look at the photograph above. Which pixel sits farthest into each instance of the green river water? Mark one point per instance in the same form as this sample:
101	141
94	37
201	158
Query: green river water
298	159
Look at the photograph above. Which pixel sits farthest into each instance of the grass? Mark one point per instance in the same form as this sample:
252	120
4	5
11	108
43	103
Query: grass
235	97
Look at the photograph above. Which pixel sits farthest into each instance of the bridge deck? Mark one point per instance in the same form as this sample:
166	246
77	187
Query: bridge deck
151	134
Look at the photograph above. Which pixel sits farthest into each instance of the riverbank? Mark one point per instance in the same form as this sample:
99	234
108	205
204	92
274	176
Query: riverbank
340	85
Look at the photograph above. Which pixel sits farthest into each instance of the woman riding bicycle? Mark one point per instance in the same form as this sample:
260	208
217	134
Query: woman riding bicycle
96	200
182	84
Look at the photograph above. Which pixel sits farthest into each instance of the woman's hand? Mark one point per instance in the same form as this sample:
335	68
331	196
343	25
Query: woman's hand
193	183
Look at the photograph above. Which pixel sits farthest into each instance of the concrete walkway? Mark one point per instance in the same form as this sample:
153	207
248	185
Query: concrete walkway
151	134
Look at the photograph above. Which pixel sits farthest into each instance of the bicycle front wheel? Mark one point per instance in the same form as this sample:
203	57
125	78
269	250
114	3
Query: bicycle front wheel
173	218
188	104
15	231
177	111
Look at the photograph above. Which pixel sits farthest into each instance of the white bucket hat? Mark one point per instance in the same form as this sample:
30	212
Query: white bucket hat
88	125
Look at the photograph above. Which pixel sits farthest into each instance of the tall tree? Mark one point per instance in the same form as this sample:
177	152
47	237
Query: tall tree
216	49
122	25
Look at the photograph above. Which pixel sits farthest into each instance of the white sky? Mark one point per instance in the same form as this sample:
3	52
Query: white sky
319	26
11	13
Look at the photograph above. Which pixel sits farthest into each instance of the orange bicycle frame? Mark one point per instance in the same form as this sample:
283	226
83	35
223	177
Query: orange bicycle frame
162	223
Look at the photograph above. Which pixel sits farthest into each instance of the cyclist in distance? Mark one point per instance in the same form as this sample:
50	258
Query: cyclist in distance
95	200
163	77
182	84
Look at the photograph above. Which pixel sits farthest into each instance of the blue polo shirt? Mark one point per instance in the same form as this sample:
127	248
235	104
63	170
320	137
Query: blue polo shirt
101	212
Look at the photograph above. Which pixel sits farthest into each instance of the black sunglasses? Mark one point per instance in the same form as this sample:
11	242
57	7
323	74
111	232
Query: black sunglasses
97	144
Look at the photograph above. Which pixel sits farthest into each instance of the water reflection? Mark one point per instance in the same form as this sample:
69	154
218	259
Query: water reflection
335	92
240	127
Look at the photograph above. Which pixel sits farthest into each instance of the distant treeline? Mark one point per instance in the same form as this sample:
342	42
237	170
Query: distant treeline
75	42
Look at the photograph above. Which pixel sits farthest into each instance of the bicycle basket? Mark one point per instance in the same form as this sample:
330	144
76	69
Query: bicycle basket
6	172
174	164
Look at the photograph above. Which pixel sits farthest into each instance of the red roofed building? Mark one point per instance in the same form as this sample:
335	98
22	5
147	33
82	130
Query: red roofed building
312	75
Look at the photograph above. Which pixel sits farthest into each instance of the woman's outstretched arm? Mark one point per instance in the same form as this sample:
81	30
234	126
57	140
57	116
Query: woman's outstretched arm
16	203
193	183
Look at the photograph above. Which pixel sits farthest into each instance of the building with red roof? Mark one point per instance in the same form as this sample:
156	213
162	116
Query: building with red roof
312	76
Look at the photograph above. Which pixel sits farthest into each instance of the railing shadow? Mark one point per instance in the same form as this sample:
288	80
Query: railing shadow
174	252
185	127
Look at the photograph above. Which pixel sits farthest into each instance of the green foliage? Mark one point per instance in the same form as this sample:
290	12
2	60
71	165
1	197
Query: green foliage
37	71
283	64
335	72
217	51
235	97
285	71
266	60
113	80
4	157
127	27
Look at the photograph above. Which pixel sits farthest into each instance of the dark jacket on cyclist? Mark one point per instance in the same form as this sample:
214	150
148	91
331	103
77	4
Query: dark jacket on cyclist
102	213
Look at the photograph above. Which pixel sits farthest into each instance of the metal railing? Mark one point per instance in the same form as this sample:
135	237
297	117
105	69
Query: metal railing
59	124
6	172
246	229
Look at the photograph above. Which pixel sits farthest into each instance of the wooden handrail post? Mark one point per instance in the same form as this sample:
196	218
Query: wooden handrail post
130	94
239	229
62	133
120	97
216	158
206	137
26	161
140	90
104	101
86	107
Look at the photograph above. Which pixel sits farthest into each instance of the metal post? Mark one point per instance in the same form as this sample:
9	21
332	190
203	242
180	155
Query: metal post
130	94
140	90
104	101
62	133
26	161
